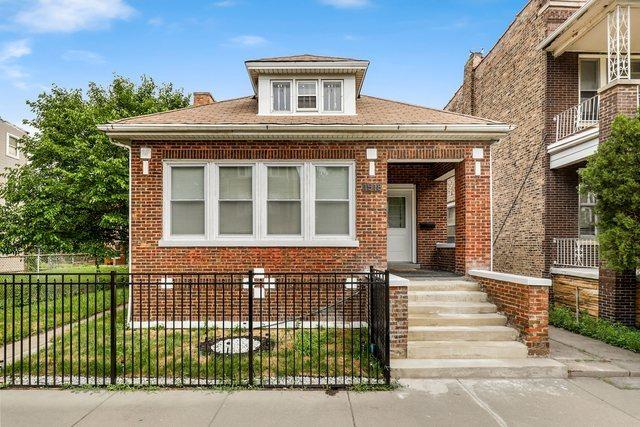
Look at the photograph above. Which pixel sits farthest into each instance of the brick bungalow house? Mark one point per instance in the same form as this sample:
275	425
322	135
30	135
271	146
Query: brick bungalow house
560	73
309	175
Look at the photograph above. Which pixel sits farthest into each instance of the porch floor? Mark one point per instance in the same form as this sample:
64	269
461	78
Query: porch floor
414	272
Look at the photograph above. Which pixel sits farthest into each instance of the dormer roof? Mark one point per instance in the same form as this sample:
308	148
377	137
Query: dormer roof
307	64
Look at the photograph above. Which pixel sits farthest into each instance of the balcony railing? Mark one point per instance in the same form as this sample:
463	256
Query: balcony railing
577	253
577	118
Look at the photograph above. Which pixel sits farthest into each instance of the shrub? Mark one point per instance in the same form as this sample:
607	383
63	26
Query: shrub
600	329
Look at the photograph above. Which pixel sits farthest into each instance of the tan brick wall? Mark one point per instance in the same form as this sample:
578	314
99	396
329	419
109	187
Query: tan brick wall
526	308
512	85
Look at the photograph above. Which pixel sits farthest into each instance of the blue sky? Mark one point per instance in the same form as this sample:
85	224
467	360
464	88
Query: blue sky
417	48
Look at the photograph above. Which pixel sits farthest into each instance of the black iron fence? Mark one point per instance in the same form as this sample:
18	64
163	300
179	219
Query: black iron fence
195	329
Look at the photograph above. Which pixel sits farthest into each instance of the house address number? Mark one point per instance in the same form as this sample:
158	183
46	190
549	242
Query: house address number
372	188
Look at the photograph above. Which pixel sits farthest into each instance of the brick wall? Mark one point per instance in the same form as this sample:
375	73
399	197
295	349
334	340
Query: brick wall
526	308
446	259
399	314
511	84
371	214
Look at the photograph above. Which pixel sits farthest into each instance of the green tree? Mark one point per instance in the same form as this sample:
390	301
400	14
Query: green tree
613	175
72	195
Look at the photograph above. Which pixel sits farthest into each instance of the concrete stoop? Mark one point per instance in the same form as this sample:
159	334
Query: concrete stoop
454	332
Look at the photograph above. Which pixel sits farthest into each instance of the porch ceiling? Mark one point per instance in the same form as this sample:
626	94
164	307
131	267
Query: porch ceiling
586	31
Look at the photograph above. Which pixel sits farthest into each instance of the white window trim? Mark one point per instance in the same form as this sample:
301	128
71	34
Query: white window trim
317	95
294	97
260	238
341	96
17	156
593	206
292	92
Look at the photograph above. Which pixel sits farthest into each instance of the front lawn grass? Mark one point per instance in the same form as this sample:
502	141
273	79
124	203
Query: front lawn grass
612	333
173	356
32	304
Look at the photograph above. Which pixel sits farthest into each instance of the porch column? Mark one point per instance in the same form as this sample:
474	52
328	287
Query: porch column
617	290
619	43
473	211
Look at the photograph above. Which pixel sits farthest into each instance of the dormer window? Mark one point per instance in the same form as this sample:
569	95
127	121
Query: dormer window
307	96
281	95
332	95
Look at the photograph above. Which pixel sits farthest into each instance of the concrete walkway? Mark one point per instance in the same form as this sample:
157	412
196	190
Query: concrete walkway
576	402
586	357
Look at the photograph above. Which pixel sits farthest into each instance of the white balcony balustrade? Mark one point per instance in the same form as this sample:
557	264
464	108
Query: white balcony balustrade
577	118
577	253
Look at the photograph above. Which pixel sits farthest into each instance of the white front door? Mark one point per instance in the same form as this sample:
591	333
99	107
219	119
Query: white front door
400	224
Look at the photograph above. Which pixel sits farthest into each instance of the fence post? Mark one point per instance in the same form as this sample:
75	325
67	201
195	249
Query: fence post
250	327
112	328
387	350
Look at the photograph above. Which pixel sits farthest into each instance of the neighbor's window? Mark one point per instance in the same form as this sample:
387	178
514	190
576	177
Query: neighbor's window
332	200
284	201
235	200
332	96
12	147
589	78
307	95
281	96
451	210
187	201
587	220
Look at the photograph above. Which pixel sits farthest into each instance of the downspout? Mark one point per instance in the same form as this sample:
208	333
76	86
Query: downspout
491	205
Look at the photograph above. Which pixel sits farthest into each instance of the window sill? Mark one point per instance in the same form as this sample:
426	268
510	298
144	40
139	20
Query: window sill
220	243
445	245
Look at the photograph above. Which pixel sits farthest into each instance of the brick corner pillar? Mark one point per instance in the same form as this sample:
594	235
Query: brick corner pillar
399	318
617	290
617	296
473	211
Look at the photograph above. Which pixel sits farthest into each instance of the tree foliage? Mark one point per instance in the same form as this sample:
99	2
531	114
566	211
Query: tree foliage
613	175
72	194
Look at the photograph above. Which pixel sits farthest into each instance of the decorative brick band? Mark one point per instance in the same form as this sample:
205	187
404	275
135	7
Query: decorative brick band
525	305
284	153
427	153
399	317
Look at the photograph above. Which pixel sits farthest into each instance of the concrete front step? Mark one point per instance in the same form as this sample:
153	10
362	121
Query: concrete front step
462	333
477	368
457	319
466	350
430	307
453	285
451	296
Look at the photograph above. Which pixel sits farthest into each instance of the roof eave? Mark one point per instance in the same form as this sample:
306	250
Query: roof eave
482	132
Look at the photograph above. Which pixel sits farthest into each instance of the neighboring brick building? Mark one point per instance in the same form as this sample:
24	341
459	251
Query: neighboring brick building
551	76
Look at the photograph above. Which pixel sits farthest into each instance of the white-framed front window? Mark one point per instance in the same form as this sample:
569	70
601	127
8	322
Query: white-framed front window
281	96
259	203
307	95
12	147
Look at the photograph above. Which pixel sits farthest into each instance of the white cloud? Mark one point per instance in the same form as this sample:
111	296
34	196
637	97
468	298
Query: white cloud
156	21
72	15
248	40
346	4
83	56
10	71
15	49
225	3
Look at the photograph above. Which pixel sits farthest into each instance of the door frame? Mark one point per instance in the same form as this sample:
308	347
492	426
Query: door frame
412	222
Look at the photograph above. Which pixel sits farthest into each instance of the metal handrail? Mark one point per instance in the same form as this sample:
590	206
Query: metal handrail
577	118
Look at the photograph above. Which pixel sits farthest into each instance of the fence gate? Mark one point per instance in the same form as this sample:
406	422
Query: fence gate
196	329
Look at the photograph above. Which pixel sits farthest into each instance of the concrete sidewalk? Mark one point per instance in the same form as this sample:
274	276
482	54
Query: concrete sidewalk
577	402
586	357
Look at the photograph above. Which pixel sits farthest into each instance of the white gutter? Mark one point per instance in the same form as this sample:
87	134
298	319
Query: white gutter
191	131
